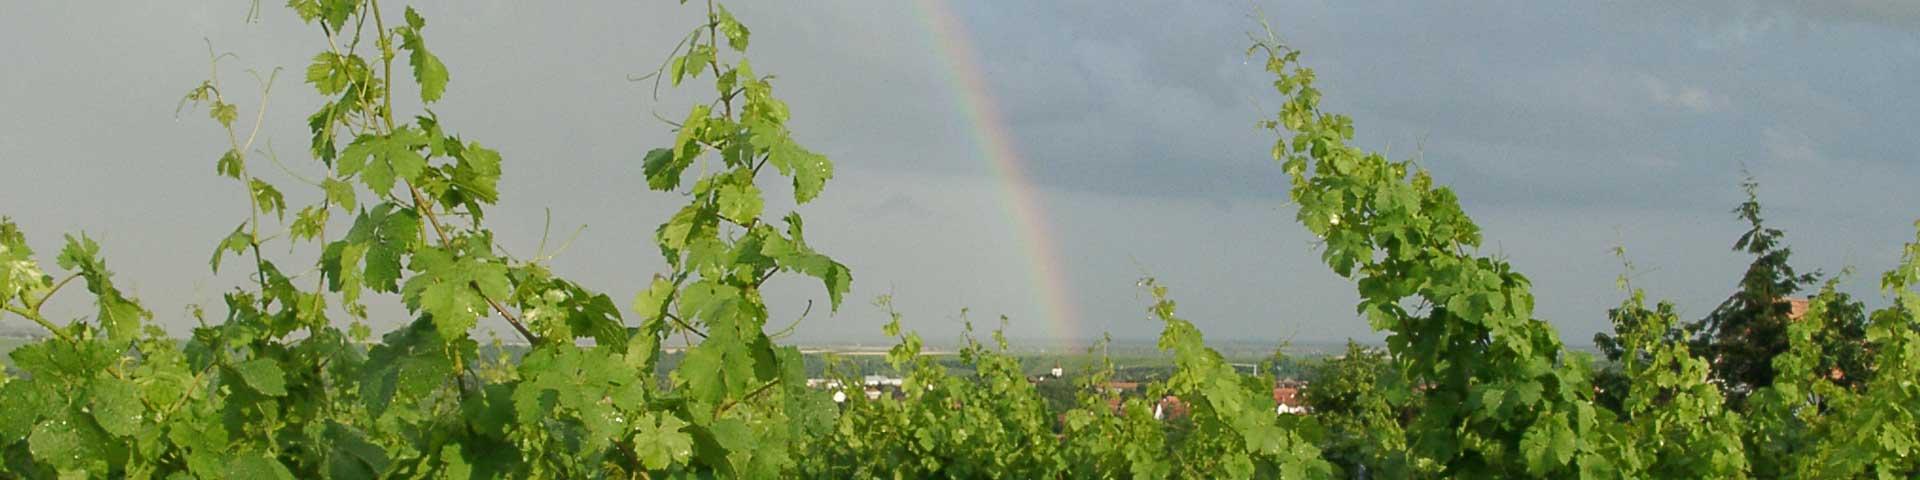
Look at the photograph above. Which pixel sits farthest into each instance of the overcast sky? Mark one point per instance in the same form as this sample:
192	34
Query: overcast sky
1566	127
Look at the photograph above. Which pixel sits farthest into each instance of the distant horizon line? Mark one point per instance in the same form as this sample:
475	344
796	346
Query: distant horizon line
1014	342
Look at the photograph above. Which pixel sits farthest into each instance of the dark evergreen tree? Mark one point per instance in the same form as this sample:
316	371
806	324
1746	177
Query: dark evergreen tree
1845	355
1741	336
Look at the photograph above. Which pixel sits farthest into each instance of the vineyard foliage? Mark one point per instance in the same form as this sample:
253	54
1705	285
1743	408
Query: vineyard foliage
290	382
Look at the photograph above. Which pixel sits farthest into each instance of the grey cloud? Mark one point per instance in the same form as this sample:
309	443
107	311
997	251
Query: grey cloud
1744	20
1567	129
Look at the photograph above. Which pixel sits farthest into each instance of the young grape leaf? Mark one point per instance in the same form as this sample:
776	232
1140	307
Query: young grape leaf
477	172
427	69
339	193
263	375
118	315
256	466
453	290
117	407
235	242
659	442
381	160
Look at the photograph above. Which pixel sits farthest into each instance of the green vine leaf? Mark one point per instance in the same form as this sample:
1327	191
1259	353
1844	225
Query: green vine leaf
263	375
427	69
453	289
119	315
236	242
116	406
339	193
735	32
659	442
380	160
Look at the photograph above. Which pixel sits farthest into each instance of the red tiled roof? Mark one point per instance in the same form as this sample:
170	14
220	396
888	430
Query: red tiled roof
1797	307
1288	396
1172	407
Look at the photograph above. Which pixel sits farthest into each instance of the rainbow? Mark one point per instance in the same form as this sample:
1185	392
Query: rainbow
1021	199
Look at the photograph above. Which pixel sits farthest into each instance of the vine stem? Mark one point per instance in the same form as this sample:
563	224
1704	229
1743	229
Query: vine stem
713	42
683	324
35	316
386	60
240	155
755	393
191	386
32	311
796	322
421	205
56	289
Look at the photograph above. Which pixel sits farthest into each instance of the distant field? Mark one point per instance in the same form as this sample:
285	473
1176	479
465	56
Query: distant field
872	360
